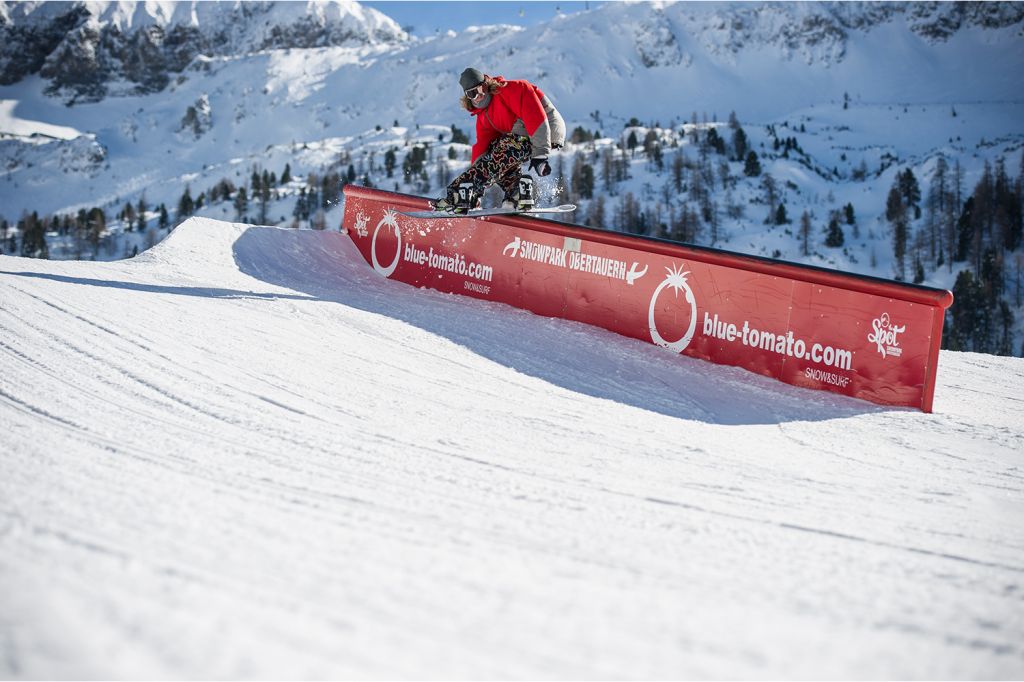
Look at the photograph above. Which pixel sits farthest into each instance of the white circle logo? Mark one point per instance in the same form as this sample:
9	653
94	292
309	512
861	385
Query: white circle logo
391	220
676	280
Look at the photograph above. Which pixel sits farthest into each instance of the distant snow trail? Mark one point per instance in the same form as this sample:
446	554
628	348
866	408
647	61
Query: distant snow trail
245	454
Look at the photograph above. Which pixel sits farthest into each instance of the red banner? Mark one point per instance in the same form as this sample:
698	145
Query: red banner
865	337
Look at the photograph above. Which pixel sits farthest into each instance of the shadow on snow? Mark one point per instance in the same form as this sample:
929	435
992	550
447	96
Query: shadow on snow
575	356
202	292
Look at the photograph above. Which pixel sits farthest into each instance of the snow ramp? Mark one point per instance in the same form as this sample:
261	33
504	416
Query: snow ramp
860	336
244	454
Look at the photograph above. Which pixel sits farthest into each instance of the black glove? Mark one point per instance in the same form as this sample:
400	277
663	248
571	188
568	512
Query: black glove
540	165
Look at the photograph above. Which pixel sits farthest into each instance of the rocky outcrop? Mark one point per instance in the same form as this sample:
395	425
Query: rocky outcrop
814	32
81	48
24	48
198	118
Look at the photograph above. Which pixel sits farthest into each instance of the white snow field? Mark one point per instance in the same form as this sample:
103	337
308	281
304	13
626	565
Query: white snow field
244	454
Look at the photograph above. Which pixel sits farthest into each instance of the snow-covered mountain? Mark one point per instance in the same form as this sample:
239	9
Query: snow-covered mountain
87	50
835	98
244	454
83	49
268	79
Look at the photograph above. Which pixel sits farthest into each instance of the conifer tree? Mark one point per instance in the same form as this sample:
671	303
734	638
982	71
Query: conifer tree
752	167
678	170
301	211
596	213
715	141
241	205
33	237
910	191
938	196
412	166
965	231
1007	209
959	332
1004	319
712	219
771	197
632	142
330	187
185	204
141	214
805	231
896	214
834	238
96	225
264	197
860	173
740	144
459	137
582	186
781	218
128	216
607	171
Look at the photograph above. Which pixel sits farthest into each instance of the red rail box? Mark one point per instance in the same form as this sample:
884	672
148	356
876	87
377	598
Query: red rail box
859	336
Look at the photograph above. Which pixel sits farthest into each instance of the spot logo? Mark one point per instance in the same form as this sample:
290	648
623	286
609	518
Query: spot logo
885	335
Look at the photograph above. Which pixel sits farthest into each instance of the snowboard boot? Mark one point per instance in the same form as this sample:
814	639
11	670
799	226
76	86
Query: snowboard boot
520	199
525	199
445	205
459	203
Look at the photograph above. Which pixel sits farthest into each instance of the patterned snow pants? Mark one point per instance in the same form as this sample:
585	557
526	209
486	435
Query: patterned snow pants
501	164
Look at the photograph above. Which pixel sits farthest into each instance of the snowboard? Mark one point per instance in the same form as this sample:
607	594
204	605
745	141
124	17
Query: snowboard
479	212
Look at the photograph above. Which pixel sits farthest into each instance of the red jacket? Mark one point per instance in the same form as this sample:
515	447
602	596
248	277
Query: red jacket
517	100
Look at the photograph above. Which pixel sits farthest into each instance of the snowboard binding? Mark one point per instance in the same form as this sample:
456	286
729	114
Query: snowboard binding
461	202
525	201
522	198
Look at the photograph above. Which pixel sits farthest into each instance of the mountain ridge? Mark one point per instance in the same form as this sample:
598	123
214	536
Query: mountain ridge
81	48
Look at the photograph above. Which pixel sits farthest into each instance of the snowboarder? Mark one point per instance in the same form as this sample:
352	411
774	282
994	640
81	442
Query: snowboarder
515	123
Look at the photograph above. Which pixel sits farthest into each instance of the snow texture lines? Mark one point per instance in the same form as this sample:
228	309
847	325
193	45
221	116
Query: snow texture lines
245	454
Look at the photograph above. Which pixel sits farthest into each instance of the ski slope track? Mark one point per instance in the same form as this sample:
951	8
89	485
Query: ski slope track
245	454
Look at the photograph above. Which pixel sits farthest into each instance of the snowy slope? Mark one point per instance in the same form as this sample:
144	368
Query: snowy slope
244	454
764	61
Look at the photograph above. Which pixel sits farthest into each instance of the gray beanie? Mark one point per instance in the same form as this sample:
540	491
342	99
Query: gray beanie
470	79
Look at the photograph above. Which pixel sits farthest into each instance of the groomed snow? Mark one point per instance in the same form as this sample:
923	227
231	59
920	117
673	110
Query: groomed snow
245	454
